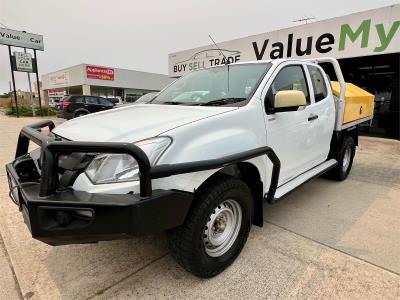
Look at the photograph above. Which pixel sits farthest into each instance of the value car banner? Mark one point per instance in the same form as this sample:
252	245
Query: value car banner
21	39
101	73
366	33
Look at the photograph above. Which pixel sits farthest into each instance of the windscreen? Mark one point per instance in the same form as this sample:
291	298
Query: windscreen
214	86
146	98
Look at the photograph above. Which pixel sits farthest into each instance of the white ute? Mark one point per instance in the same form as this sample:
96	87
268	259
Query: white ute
217	143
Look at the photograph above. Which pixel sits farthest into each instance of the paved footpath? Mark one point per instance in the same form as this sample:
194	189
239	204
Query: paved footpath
326	240
9	288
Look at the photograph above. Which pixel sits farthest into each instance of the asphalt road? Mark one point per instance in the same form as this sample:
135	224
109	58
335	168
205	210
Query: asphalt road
326	240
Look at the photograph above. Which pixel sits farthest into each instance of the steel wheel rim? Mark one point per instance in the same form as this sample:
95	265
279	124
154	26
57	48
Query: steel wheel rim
222	228
346	158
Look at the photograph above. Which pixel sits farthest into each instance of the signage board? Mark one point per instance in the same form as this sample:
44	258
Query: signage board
23	62
100	73
56	93
59	78
21	39
371	32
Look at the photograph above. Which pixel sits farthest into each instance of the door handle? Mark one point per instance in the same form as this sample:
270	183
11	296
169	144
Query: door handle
312	117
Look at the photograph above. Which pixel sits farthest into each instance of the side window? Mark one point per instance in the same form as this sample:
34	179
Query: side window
105	102
91	100
289	78
318	82
79	100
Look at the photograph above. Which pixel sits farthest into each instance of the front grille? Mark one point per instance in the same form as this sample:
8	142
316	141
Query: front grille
69	166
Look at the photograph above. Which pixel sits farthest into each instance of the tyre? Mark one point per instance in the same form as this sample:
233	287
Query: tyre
344	156
80	114
216	228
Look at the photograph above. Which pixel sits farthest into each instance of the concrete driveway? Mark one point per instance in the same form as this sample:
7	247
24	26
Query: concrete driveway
326	240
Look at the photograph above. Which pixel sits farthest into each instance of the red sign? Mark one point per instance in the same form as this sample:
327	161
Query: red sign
100	73
56	92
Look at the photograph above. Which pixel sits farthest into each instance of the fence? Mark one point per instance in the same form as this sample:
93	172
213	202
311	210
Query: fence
22	102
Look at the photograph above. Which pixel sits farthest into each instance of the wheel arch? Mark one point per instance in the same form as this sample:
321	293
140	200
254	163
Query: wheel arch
249	174
338	138
81	110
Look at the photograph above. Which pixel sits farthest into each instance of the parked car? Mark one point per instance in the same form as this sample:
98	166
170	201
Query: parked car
116	100
146	98
198	162
54	102
77	105
59	104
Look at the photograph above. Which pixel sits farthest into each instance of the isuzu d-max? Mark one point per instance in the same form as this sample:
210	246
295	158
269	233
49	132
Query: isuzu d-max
198	161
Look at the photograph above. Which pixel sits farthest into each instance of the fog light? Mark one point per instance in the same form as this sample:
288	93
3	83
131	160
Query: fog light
85	213
54	218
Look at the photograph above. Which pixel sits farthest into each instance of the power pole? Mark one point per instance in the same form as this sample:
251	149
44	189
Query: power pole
38	83
13	81
30	92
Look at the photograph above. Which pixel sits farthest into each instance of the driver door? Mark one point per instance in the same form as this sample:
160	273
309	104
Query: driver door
288	132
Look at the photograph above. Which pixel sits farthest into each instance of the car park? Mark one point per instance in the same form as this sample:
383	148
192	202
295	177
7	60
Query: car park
197	162
79	105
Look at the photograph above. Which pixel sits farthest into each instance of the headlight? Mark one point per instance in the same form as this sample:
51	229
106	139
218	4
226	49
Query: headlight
110	168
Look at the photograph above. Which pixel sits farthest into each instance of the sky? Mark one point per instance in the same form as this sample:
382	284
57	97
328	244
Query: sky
139	35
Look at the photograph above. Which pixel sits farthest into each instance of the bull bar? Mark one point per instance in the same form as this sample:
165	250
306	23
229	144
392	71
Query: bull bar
149	212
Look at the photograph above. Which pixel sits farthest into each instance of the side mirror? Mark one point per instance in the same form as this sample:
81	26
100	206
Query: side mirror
289	100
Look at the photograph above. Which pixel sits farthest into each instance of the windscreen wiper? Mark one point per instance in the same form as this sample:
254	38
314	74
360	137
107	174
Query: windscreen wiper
223	101
170	102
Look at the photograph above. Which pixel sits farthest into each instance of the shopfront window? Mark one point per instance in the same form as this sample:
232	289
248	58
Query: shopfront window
132	97
379	75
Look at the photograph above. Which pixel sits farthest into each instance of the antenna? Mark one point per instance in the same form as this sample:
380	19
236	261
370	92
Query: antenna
226	60
305	19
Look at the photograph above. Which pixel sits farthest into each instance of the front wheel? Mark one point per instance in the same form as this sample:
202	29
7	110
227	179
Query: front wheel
216	228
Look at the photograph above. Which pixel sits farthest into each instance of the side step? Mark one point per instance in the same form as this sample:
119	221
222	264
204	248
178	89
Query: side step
304	177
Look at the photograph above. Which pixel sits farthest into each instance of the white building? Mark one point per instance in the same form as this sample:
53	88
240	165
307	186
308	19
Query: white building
94	80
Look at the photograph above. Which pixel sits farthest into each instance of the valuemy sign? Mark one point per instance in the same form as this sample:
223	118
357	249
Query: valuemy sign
371	32
21	39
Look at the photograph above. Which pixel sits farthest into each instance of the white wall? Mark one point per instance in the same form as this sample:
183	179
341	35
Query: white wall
63	78
123	78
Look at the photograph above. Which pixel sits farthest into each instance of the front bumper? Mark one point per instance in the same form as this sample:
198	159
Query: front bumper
71	217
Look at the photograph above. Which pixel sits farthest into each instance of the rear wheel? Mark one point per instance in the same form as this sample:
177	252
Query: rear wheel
80	114
344	156
215	230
